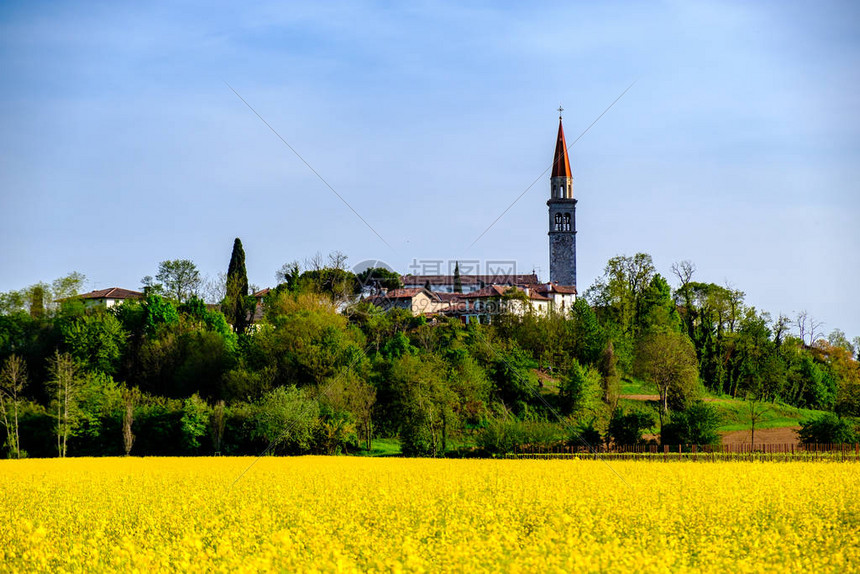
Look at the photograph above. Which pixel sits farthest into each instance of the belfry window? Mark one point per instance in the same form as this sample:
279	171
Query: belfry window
558	222
567	222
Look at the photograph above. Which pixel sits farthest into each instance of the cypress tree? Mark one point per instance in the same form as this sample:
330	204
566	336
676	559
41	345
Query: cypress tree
458	285
37	302
235	306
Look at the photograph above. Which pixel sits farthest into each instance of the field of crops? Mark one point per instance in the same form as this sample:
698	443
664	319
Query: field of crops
353	514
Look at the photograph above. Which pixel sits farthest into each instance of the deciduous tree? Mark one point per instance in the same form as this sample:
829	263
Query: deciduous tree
65	386
180	278
667	360
13	379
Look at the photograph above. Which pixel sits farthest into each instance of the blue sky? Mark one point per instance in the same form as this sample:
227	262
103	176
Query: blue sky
737	147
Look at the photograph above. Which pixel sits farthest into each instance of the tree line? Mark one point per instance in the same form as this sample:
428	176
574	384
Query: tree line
315	370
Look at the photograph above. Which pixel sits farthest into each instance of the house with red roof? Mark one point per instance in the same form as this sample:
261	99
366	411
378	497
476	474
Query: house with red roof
107	297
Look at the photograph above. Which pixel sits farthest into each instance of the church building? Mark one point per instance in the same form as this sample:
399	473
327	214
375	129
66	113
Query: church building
481	296
562	216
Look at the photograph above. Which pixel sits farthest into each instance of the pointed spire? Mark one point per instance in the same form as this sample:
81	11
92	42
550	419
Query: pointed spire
561	163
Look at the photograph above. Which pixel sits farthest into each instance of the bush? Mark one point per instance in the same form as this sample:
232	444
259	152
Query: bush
581	390
502	436
627	428
194	422
827	429
585	433
697	424
286	418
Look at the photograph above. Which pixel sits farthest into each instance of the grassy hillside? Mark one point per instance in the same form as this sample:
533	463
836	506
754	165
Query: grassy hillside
735	412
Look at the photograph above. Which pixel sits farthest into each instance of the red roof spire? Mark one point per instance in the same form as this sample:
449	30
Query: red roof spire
561	163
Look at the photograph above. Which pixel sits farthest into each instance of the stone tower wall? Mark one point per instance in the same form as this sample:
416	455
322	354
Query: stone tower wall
562	241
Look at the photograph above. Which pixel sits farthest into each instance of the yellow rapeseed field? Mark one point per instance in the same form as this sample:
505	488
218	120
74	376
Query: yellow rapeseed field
339	514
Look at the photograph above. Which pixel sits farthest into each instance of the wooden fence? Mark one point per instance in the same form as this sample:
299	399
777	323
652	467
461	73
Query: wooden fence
697	453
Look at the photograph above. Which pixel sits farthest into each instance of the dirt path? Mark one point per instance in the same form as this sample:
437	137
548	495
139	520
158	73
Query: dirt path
657	398
783	435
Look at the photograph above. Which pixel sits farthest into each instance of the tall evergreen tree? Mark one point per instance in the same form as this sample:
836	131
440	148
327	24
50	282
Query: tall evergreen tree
235	306
458	285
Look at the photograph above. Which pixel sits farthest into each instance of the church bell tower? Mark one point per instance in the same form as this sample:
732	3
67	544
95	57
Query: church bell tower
562	216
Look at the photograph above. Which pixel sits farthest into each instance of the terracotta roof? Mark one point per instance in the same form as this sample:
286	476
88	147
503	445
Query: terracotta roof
500	279
554	288
488	291
110	293
501	290
261	293
403	293
448	297
560	163
537	296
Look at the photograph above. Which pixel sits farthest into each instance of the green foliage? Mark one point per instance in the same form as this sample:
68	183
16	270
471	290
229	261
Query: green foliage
349	375
397	346
158	311
13	380
12	302
98	400
335	433
380	278
611	377
819	390
626	428
585	434
40	298
515	383
64	387
659	312
67	286
180	278
37	297
236	306
697	424
96	340
285	418
195	309
308	342
587	336
828	429
423	400
621	294
667	360
337	283
502	435
581	391
194	422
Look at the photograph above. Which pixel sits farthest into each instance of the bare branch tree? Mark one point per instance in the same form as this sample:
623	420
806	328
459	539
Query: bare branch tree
337	260
815	330
806	325
214	289
684	271
801	322
315	263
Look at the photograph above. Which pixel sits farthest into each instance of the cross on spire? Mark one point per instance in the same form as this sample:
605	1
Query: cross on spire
560	109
